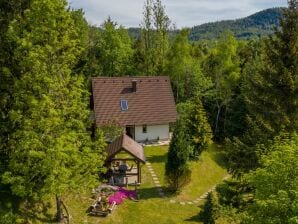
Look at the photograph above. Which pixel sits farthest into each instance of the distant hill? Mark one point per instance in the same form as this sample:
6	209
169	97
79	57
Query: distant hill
257	25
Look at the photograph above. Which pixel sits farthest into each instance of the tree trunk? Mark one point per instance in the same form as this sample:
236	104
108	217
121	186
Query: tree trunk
219	106
225	119
59	214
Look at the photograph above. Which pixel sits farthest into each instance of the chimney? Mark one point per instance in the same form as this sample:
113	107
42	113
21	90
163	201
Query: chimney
134	85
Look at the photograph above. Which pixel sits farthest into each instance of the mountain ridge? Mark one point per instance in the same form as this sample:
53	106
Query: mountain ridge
259	24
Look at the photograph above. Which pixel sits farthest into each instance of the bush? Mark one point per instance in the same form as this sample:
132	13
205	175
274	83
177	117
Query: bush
209	213
232	193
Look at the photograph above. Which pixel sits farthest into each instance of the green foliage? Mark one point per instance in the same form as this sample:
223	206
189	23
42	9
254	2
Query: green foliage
154	38
272	99
257	25
177	171
111	130
50	150
234	193
222	65
276	184
270	93
184	70
197	130
209	212
9	71
92	67
115	49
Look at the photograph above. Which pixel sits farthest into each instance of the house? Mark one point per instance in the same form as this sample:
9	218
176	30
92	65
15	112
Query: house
143	106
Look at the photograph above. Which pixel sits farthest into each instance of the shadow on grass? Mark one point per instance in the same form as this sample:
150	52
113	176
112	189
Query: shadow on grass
147	193
28	212
156	158
152	192
196	218
218	154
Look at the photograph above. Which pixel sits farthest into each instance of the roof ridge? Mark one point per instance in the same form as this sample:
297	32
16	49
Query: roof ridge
131	77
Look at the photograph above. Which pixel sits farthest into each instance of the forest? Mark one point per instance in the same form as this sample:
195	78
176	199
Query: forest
239	93
258	25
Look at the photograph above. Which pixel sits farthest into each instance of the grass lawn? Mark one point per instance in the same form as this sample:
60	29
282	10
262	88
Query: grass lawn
206	172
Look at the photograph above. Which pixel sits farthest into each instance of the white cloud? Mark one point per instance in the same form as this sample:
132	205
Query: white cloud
182	12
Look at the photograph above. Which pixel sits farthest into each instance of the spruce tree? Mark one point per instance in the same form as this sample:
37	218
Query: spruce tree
272	99
270	93
177	170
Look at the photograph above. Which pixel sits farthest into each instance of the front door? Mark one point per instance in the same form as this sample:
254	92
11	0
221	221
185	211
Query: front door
130	131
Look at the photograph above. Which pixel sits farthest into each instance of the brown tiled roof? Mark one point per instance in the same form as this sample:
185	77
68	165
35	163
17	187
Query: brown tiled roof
152	103
127	144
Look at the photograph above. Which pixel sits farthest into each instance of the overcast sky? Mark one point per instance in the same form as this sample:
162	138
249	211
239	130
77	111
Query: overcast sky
184	13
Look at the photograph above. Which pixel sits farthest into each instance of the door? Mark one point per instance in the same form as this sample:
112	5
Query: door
130	131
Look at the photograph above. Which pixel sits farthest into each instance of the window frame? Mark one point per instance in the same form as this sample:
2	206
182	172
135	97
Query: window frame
144	129
124	105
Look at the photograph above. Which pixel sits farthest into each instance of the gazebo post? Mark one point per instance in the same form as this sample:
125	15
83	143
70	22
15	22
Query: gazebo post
139	172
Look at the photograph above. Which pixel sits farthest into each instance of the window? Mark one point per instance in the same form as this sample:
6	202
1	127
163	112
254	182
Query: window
124	105
145	128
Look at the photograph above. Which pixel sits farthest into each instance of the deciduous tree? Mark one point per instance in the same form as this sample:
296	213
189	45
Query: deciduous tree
276	184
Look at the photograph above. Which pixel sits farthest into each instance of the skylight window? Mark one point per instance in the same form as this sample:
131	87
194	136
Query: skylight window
124	105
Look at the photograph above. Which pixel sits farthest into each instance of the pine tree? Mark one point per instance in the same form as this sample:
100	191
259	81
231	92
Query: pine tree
51	149
177	170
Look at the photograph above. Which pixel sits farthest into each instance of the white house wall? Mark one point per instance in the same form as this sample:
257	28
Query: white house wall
154	132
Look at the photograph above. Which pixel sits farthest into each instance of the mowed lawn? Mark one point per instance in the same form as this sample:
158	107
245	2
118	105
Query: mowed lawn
206	172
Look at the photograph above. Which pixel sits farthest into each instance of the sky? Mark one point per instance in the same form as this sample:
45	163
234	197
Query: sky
184	13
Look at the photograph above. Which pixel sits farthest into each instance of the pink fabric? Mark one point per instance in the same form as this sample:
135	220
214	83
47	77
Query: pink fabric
122	194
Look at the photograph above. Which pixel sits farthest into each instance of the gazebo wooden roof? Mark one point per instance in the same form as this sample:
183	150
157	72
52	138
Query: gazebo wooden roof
127	144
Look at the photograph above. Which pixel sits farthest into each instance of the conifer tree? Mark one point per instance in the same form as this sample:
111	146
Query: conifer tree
272	99
202	133
51	149
270	93
177	170
196	128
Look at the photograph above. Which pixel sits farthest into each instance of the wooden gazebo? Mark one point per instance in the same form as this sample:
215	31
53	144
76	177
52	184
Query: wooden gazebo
124	158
